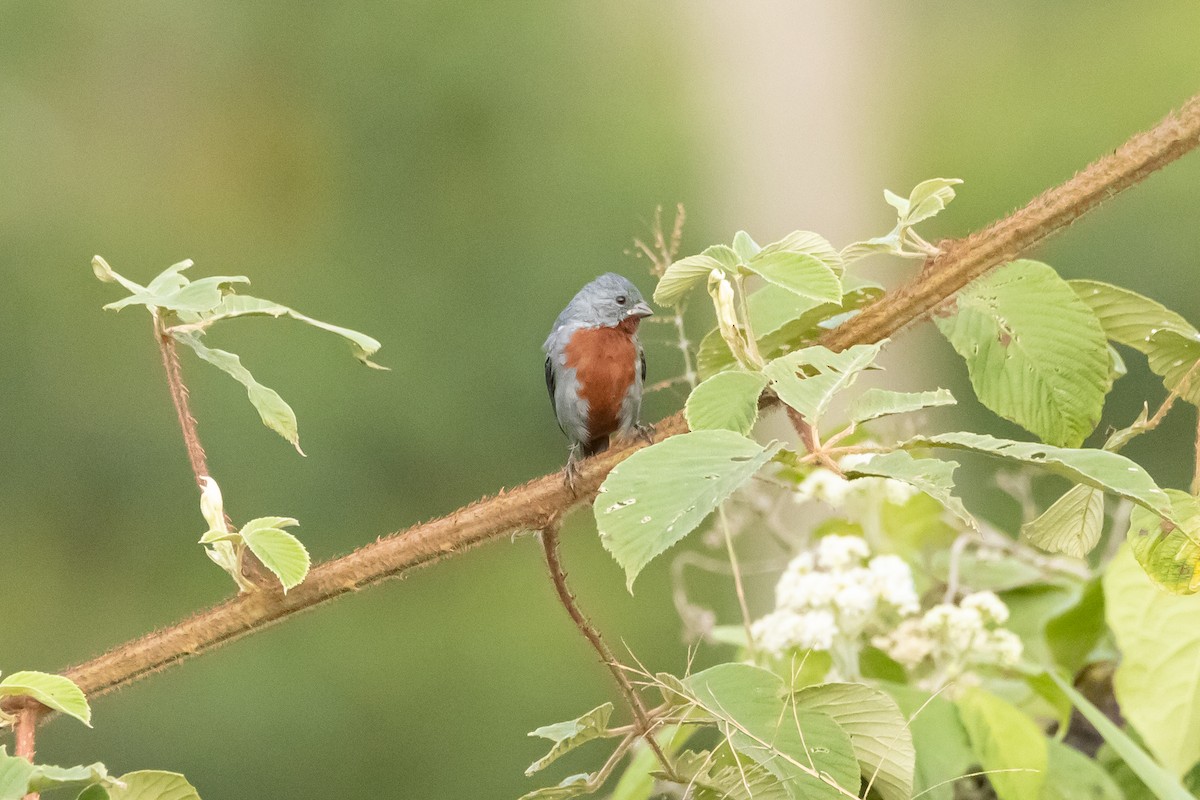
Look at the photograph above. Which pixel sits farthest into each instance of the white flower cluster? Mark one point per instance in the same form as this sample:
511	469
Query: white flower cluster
949	639
828	600
832	489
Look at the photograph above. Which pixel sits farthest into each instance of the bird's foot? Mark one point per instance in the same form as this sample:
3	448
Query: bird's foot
571	472
644	432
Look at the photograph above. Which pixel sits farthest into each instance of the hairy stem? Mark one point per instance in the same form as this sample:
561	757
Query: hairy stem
559	577
24	729
179	397
530	506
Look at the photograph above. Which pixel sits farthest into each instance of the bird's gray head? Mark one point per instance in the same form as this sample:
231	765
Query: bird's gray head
608	301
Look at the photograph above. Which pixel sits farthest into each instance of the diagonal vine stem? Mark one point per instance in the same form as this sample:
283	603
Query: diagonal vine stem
531	505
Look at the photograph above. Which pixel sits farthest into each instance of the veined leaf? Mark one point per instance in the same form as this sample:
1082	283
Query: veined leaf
52	691
878	732
662	493
239	305
685	273
15	773
875	403
745	247
152	784
274	412
46	777
278	550
943	749
787	739
726	401
1164	785
1101	469
1009	745
1169	552
826	374
1170	343
1072	525
932	476
811	244
1035	353
725	774
1156	683
569	735
927	199
802	274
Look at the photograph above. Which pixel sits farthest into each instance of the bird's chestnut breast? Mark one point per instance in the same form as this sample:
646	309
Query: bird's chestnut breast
605	361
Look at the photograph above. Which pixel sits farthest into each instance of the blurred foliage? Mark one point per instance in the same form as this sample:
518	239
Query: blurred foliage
444	176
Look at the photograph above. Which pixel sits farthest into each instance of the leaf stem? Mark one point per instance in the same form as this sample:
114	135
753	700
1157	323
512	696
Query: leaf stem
558	577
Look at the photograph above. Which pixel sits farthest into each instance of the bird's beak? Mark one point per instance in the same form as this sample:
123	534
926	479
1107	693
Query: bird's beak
640	310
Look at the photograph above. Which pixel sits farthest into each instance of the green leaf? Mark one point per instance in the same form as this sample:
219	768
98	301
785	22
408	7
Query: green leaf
932	476
571	786
278	550
1004	739
685	273
809	244
1073	634
1168	551
1111	472
1159	638
239	305
802	274
1072	525
1164	785
637	781
1035	353
94	792
876	403
726	401
790	741
943	750
152	784
878	732
1070	775
926	200
826	373
569	735
662	493
15	773
52	691
1170	343
274	412
726	774
46	777
745	247
783	321
109	275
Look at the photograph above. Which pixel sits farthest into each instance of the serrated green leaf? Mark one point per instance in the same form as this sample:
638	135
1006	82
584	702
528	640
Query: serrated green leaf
783	321
932	476
1009	745
15	773
1168	551
46	777
745	247
662	493
788	740
571	786
1071	525
810	244
1164	785
1157	683
878	245
152	784
232	306
875	403
802	274
272	410
826	373
725	774
878	732
1035	353
943	750
571	734
726	401
52	691
1170	343
278	550
1111	472
927	199
684	274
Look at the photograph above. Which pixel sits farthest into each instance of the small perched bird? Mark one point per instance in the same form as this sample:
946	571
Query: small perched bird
595	366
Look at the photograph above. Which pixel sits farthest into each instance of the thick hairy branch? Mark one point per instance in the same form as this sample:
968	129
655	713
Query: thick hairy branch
534	505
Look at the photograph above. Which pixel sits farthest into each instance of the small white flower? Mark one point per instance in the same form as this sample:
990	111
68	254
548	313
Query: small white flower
898	492
839	552
989	605
799	591
1007	647
893	582
823	485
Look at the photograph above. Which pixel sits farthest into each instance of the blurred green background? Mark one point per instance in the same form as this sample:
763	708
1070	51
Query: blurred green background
443	176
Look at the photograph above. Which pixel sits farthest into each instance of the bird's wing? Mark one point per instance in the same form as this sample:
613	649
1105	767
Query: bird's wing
642	354
550	379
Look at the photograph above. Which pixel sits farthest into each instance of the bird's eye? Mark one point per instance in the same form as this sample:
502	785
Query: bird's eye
621	300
